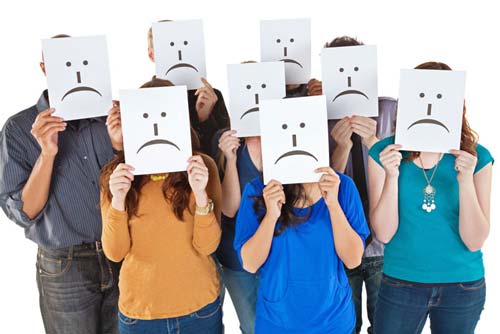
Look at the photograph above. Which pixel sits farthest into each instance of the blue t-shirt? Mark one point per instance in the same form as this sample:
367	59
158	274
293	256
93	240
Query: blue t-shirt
246	172
427	247
303	287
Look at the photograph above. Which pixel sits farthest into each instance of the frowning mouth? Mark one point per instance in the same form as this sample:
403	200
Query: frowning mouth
249	111
429	121
350	91
287	60
181	65
157	142
80	89
295	152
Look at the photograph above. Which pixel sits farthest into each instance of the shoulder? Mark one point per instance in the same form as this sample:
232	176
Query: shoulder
382	144
20	123
346	183
254	187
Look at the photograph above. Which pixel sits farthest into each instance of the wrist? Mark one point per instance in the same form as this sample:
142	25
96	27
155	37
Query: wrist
369	142
345	145
48	155
117	147
118	203
201	198
466	181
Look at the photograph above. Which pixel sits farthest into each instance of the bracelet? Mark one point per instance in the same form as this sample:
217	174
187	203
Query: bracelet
203	211
115	151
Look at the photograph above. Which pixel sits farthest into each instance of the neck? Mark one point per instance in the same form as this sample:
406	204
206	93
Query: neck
428	159
313	194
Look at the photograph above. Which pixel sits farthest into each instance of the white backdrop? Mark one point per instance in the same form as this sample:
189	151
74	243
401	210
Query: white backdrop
407	33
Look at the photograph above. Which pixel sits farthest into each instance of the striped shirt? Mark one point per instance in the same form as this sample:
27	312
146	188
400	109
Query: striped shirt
72	214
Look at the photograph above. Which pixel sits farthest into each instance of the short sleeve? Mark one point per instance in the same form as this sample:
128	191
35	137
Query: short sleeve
350	202
484	157
378	147
247	220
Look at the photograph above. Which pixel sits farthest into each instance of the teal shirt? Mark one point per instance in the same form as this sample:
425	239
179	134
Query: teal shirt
427	247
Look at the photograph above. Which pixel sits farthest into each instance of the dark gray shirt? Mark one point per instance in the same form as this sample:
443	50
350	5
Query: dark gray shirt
72	213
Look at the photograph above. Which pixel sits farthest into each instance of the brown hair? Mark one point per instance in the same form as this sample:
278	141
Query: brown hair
150	34
468	138
343	41
176	188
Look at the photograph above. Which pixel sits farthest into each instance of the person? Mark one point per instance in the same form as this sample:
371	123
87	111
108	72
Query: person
350	140
164	227
207	110
49	186
433	261
298	238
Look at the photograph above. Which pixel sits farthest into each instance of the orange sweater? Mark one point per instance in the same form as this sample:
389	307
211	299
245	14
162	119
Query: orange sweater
168	270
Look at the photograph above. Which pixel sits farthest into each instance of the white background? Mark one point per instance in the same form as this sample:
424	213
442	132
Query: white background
407	34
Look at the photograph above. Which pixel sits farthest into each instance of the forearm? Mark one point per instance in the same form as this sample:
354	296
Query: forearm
115	233
384	217
231	190
206	233
339	158
36	191
474	225
348	243
256	250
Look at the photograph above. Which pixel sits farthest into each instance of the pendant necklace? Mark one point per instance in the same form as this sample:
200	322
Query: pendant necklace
429	191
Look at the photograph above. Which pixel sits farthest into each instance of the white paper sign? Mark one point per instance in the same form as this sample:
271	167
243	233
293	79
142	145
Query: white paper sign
294	135
249	84
179	49
349	77
430	108
78	77
156	129
288	41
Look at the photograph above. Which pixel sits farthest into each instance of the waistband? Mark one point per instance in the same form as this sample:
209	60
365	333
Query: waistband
83	249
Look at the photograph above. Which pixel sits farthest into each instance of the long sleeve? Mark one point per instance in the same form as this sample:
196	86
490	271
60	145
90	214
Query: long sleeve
207	230
15	171
115	231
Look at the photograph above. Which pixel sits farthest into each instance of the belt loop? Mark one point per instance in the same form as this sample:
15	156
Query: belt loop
98	246
70	253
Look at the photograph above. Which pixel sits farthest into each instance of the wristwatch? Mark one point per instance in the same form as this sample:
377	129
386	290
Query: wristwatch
205	210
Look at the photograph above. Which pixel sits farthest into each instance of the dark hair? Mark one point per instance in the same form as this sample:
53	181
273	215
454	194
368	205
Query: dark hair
343	41
288	218
468	138
176	188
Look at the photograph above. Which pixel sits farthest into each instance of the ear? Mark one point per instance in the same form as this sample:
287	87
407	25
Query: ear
151	54
42	67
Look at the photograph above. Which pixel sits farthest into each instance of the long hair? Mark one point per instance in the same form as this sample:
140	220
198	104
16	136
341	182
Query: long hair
288	218
468	138
176	188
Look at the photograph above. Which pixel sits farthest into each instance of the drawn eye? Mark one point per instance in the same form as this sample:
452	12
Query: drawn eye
263	85
163	114
284	126
439	96
185	42
278	40
248	86
68	63
172	43
145	115
302	125
422	95
85	62
356	68
292	40
341	69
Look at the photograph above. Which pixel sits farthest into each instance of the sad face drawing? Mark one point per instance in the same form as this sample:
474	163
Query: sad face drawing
430	107
294	135
156	141
78	76
250	84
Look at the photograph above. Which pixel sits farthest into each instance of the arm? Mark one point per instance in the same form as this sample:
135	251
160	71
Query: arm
256	249
205	183
341	135
474	197
229	144
383	193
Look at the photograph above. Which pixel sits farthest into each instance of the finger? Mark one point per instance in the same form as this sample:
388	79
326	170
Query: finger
123	173
116	103
206	83
456	152
49	127
198	164
40	122
123	166
227	133
46	112
392	147
327	170
196	158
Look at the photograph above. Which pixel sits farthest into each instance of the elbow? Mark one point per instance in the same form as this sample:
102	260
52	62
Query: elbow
249	268
115	254
474	246
230	212
208	248
385	239
354	263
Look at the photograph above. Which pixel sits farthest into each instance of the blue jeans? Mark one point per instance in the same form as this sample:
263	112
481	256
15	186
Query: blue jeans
403	307
369	273
207	320
78	290
242	287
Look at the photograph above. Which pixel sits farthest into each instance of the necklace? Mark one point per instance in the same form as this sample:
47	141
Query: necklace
429	191
157	177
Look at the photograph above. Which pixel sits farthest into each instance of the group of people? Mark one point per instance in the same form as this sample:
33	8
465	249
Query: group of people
118	252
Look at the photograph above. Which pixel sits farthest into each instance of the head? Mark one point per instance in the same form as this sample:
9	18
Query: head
176	189
42	63
151	51
343	41
468	138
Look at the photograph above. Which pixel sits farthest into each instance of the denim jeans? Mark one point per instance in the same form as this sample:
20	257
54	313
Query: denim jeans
242	287
403	307
207	320
78	288
369	273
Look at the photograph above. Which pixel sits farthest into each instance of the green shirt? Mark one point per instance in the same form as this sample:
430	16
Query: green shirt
427	247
